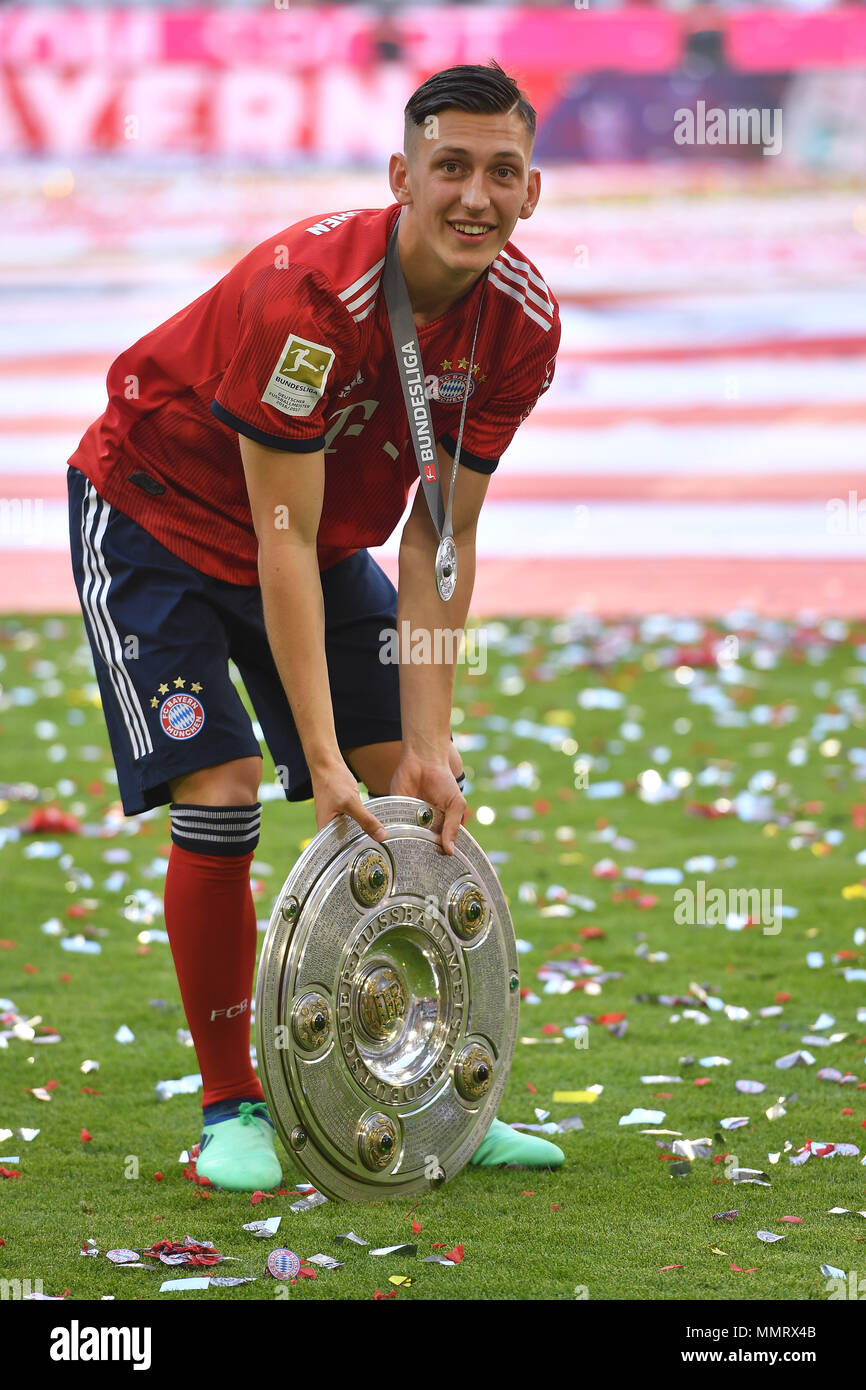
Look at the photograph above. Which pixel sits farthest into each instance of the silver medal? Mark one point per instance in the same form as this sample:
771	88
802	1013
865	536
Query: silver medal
446	567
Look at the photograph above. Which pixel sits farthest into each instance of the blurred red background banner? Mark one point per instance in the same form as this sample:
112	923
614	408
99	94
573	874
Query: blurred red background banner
330	84
294	38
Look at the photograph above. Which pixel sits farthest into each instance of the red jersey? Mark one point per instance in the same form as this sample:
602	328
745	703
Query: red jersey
293	348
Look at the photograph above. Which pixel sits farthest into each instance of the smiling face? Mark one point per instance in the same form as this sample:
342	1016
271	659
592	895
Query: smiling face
465	180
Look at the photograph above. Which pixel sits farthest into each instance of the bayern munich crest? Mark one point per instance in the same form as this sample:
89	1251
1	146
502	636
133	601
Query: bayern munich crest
181	715
283	1264
451	387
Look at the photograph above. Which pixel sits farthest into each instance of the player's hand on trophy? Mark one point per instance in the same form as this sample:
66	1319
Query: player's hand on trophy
336	794
434	783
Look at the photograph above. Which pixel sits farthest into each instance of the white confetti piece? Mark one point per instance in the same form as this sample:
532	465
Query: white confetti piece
822	1021
795	1059
80	945
263	1229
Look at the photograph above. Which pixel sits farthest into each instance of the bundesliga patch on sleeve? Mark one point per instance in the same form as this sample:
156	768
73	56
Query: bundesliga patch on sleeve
298	381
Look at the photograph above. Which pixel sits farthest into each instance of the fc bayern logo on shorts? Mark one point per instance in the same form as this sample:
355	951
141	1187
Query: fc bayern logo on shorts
181	715
452	387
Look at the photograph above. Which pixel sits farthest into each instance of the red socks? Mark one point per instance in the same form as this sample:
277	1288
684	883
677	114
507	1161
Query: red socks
211	924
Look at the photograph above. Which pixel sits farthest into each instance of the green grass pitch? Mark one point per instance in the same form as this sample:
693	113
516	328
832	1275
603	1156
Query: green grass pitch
604	1226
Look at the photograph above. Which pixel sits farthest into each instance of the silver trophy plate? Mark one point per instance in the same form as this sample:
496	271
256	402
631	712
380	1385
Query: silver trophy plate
386	1005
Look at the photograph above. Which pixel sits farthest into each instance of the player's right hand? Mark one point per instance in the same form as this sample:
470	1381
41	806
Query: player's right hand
336	794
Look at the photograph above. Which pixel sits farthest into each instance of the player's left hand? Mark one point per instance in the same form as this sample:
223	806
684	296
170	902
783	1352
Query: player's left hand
434	783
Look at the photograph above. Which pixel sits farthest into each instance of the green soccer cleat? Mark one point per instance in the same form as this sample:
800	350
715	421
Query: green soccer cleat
502	1144
237	1153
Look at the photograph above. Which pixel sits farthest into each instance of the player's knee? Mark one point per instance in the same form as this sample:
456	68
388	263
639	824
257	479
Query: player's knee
216	811
235	784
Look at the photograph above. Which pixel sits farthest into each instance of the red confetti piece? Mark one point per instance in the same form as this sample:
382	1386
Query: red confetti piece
782	998
610	1018
2	1242
591	933
737	1270
89	1091
86	1136
455	1255
31	969
158	1177
76	910
97	788
557	1206
260	1197
663	1095
50	819
648	900
531	1088
528	1194
306	1272
702	1080
437	1247
416	1228
719	1158
847	1112
190	1173
9	1172
8	945
50	1085
664	1267
549	1029
379	1294
794	1220
65	979
541	806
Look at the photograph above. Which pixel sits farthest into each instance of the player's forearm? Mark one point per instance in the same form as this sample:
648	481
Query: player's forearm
295	622
434	627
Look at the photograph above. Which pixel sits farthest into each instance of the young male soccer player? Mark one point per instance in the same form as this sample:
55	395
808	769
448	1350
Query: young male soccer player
253	447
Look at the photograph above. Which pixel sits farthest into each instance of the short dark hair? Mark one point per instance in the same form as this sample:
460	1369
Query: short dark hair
469	87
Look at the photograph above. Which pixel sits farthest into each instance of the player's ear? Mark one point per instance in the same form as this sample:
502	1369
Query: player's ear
533	193
398	177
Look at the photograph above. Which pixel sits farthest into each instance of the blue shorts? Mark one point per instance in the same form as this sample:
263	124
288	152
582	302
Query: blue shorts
162	634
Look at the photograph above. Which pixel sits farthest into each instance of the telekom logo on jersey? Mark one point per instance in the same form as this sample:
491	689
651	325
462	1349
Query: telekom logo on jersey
341	425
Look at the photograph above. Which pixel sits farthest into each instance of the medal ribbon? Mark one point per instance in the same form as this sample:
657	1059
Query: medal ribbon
411	371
